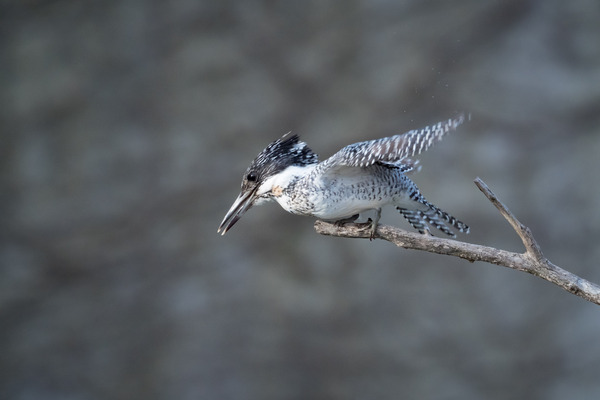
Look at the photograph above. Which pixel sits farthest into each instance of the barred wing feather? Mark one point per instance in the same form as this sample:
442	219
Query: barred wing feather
393	149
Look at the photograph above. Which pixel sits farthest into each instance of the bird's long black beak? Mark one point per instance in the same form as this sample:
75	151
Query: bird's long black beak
239	207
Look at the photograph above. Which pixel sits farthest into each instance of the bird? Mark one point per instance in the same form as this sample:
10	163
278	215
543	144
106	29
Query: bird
360	177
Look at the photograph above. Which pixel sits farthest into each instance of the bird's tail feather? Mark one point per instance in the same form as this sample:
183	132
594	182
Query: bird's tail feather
434	217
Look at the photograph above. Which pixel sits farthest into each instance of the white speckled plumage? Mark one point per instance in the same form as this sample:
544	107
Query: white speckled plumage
359	177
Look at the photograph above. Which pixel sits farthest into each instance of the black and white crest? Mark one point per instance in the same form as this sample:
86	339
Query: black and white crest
282	153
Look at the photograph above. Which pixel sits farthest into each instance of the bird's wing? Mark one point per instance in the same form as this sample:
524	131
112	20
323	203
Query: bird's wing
391	150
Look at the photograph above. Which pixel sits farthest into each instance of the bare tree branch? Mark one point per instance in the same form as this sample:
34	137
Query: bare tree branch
531	261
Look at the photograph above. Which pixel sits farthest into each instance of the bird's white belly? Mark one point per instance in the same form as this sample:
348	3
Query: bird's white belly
338	197
343	209
340	201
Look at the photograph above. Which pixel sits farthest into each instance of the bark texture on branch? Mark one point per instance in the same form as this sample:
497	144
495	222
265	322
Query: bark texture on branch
531	261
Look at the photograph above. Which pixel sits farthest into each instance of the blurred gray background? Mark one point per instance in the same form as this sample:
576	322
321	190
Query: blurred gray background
126	127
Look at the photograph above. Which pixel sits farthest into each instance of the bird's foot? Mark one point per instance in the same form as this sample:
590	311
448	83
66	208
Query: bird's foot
369	224
373	229
349	220
374	223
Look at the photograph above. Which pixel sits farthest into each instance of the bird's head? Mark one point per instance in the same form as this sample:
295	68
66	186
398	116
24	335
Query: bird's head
256	183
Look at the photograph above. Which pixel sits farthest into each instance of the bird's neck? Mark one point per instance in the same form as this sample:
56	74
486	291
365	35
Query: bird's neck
285	178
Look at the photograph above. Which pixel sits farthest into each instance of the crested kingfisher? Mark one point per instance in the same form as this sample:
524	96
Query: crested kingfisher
360	177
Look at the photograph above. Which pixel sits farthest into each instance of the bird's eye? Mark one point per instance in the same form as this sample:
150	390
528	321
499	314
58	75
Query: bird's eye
251	177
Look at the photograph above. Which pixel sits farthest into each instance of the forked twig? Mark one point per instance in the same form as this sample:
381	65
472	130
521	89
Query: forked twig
531	261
